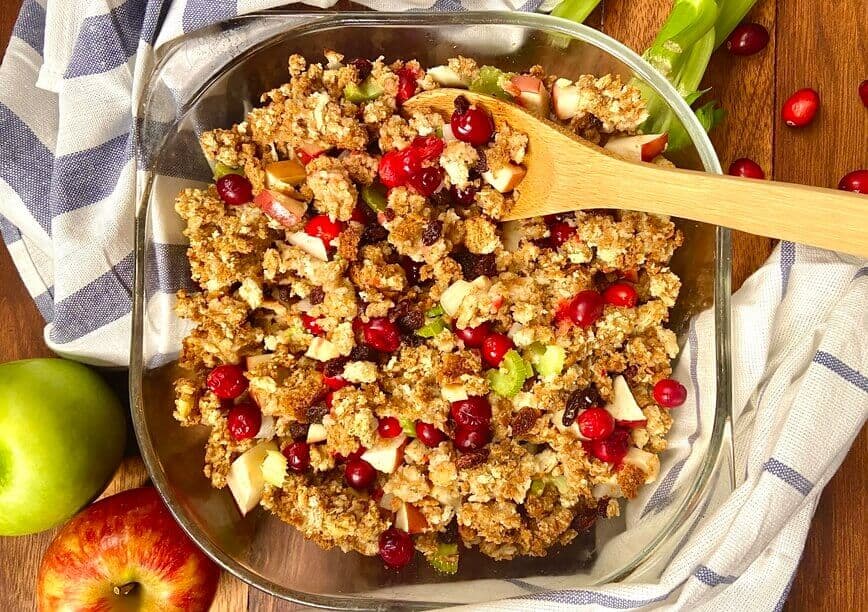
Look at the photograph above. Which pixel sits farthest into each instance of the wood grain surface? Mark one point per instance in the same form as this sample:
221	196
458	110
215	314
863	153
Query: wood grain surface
811	46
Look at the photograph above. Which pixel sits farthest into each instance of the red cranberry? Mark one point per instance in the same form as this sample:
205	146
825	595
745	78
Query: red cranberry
428	434
464	197
396	167
472	413
747	39
863	92
329	399
473	126
359	474
621	294
427	181
406	85
467	439
474	336
611	449
359	215
427	148
586	308
244	421
746	168
227	381
234	189
494	347
380	333
669	393
396	548
801	108
856	181
335	382
297	456
389	427
596	423
561	232
322	227
311	324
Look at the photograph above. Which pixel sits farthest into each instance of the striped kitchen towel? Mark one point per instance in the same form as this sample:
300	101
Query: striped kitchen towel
69	82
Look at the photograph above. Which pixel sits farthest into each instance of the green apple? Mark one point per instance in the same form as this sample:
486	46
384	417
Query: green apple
62	436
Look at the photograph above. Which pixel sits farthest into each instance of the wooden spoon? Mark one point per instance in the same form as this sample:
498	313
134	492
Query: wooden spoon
567	173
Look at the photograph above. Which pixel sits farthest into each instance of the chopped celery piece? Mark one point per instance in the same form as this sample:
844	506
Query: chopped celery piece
438	131
445	559
374	196
436	311
537	487
489	82
221	170
551	362
509	378
560	483
534	352
363	92
432	328
409	426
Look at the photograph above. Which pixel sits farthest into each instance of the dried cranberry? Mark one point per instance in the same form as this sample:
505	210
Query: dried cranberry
462	104
747	39
363	66
473	266
580	399
596	423
467	439
334	382
317	296
428	434
473	413
473	125
494	347
586	308
311	325
396	548
381	334
464	197
393	168
474	336
432	232
389	427
406	85
297	456
244	421
322	227
227	381
669	393
359	474
234	189
611	449
561	232
362	352
621	294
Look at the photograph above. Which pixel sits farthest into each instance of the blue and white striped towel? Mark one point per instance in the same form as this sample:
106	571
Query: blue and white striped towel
70	79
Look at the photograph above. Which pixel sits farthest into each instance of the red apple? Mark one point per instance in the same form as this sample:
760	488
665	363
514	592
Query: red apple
644	147
532	94
125	552
409	519
281	208
505	178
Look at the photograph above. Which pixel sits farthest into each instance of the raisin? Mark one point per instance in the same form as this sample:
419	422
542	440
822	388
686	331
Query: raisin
528	384
471	458
284	294
450	535
432	232
524	421
298	431
316	412
334	367
363	67
411	270
389	214
584	519
580	399
630	372
602	506
481	164
462	104
410	321
474	266
442	198
373	234
317	296
412	340
363	352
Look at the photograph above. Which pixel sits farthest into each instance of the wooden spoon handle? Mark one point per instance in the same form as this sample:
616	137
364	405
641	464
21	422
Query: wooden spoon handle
826	218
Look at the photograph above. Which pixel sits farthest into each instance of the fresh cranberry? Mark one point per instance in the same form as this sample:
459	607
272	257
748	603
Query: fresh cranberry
359	215
621	294
380	333
467	439
329	399
244	421
305	156
746	168
311	324
406	85
297	456
473	126
427	148
494	347
801	108
428	434
227	381
633	424
377	494
747	39
234	189
472	413
322	227
561	232
474	336
856	181
669	393
396	548
596	423
427	181
586	308
611	449
464	197
334	382
389	427
356	454
863	92
359	474
396	167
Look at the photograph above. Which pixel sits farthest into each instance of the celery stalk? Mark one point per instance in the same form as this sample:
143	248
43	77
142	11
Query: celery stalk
730	15
575	10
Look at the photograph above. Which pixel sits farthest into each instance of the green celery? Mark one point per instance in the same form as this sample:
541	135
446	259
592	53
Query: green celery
575	10
687	23
731	12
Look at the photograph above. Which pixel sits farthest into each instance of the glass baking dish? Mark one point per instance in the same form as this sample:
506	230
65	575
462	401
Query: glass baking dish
210	79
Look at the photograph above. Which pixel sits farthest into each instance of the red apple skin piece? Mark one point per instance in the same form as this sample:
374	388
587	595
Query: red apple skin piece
644	147
412	521
283	209
126	539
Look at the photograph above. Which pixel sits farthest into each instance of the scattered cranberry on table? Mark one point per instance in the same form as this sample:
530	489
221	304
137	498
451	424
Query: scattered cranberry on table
380	333
243	421
621	294
611	449
389	427
473	126
586	308
596	423
746	168
227	381
494	347
428	434
359	474
473	337
322	227
396	548
856	181
747	39
467	439
801	108
863	92
297	456
473	413
669	393
234	189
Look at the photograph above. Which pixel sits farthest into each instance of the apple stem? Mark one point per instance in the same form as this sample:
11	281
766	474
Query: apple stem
125	589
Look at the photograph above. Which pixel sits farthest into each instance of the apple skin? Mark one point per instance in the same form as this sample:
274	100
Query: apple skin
62	436
128	541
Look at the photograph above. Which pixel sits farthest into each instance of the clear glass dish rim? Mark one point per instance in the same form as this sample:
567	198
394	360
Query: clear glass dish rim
318	19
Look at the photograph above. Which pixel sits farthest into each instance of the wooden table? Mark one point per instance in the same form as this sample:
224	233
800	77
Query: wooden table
811	46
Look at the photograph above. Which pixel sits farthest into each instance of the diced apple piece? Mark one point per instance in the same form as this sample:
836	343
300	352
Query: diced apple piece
316	433
322	350
638	148
446	77
409	519
572	430
505	178
309	150
608	489
565	97
453	393
284	175
274	468
389	502
245	478
512	235
481	282
386	454
311	245
645	461
623	406
266	429
532	94
283	209
255	361
448	134
274	306
454	295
